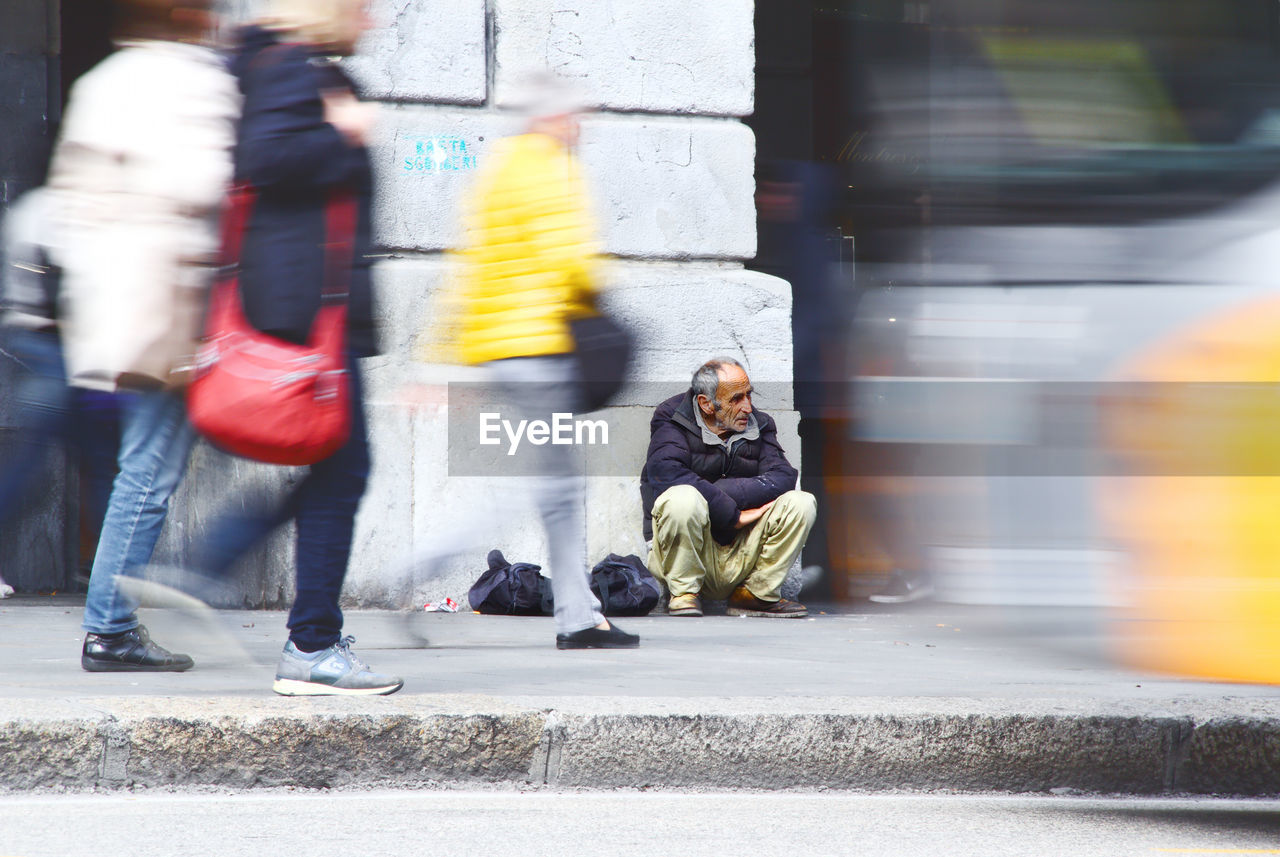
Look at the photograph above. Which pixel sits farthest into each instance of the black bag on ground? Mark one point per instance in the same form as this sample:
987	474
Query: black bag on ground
624	586
510	590
602	348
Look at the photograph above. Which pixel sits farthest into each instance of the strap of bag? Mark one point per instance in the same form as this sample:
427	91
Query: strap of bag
601	584
235	218
340	215
340	228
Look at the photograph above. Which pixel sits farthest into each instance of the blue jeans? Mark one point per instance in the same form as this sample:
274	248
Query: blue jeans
323	507
155	441
52	414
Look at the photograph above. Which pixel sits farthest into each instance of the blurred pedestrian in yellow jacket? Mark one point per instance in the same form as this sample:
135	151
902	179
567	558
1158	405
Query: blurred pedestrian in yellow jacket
529	265
530	258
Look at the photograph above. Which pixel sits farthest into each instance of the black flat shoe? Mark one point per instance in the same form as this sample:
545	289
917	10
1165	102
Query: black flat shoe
131	651
595	638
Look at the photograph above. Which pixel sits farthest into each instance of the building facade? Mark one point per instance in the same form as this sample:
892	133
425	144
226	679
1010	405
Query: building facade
671	165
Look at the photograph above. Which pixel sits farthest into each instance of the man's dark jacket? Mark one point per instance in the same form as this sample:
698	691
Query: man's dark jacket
296	161
752	474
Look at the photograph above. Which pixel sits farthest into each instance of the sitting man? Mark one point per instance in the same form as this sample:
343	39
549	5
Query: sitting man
719	499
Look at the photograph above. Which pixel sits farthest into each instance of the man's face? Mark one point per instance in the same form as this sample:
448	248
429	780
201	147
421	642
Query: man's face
731	410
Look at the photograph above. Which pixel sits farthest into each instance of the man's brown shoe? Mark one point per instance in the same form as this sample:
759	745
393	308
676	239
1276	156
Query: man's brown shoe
743	603
684	605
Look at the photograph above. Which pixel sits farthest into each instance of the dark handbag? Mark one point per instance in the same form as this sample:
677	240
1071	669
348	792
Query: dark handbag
509	589
263	398
625	586
603	350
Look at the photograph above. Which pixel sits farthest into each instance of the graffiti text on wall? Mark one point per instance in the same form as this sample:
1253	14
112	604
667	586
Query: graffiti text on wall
440	154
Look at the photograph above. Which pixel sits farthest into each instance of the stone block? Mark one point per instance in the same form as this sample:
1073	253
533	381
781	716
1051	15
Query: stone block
672	188
680	314
424	50
663	187
684	314
1013	753
1233	755
417	50
315	747
424	159
655	55
406	295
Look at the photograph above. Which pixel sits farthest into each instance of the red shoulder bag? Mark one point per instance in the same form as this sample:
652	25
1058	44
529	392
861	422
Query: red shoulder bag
263	398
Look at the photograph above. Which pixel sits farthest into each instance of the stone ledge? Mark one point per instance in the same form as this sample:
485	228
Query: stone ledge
413	741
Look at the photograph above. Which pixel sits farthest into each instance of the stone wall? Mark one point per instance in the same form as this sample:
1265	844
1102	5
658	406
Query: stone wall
671	167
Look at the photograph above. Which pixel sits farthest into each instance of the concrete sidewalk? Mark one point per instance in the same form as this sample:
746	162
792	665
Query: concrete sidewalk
919	698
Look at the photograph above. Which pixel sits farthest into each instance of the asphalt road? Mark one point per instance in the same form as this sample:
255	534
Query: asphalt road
628	824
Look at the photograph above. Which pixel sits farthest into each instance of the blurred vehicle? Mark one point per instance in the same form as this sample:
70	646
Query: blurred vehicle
1068	323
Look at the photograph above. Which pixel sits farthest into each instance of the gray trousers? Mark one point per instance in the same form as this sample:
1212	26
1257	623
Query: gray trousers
535	388
691	562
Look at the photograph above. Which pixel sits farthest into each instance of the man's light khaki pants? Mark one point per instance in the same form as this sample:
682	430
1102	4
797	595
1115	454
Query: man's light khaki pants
691	562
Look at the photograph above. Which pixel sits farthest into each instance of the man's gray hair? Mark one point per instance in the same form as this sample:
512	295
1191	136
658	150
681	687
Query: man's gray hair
706	380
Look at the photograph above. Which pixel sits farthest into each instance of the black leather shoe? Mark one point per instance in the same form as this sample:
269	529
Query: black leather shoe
131	651
595	638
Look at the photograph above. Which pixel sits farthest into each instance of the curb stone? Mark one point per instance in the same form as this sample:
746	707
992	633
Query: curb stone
720	744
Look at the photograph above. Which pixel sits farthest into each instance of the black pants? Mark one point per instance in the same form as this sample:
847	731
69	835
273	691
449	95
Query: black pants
323	507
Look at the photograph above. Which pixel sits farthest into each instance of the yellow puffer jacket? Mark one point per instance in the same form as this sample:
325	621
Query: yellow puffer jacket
529	263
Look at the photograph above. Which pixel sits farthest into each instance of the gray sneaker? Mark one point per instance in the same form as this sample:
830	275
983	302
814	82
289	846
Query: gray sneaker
335	671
